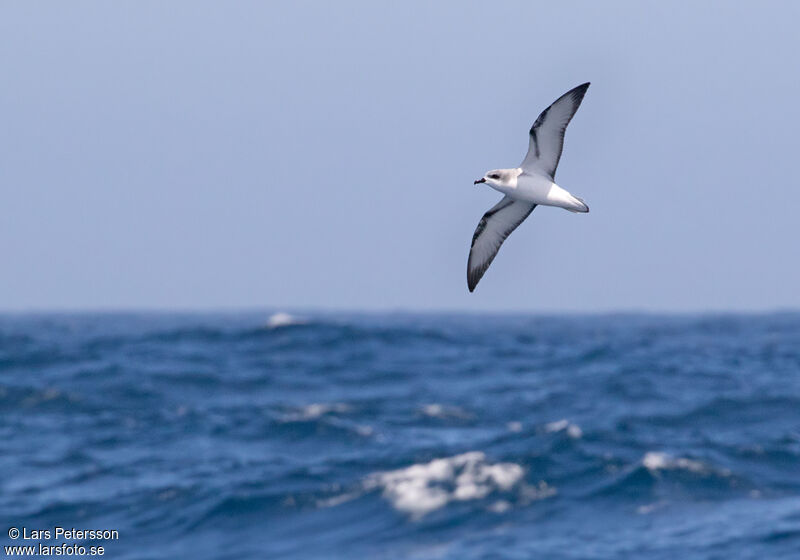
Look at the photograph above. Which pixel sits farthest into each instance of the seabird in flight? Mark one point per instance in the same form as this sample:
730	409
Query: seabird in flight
526	186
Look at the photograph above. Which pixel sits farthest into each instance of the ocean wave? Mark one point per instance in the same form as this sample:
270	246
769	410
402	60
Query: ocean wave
436	410
572	430
40	398
515	426
403	431
659	471
316	418
655	461
278	320
422	488
314	411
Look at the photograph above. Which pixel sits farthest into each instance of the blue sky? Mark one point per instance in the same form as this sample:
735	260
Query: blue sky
316	155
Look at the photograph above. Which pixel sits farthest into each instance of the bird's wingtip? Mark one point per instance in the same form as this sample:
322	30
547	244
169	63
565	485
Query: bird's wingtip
580	91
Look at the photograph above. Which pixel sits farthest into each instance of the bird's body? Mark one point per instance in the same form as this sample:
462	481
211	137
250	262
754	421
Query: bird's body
527	186
537	189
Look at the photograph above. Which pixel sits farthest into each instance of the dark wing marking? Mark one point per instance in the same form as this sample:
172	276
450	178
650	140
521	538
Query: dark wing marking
547	133
495	226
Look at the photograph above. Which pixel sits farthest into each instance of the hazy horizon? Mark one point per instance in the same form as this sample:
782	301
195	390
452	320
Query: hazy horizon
300	312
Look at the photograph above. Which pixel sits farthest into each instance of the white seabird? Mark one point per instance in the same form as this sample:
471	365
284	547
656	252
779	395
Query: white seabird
526	186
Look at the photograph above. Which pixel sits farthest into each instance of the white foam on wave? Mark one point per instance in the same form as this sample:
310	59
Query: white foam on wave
573	430
500	506
328	413
436	410
650	508
317	410
658	460
423	488
339	499
277	320
514	426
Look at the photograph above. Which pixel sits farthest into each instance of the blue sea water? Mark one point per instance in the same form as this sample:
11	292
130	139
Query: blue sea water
404	436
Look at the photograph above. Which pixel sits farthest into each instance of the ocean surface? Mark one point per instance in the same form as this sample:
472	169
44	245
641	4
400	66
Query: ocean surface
267	435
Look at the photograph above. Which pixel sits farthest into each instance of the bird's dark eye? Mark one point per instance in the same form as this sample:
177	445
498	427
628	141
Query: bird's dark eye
494	176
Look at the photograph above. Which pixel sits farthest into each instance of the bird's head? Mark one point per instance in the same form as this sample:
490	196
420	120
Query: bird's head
495	178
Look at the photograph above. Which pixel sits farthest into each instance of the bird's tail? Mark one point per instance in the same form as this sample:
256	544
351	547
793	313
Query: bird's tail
577	205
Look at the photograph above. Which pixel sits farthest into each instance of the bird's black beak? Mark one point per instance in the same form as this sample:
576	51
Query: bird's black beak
479	181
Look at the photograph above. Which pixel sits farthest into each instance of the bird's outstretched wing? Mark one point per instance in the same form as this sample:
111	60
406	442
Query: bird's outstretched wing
547	133
494	227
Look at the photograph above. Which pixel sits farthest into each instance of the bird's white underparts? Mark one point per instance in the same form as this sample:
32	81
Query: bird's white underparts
527	186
